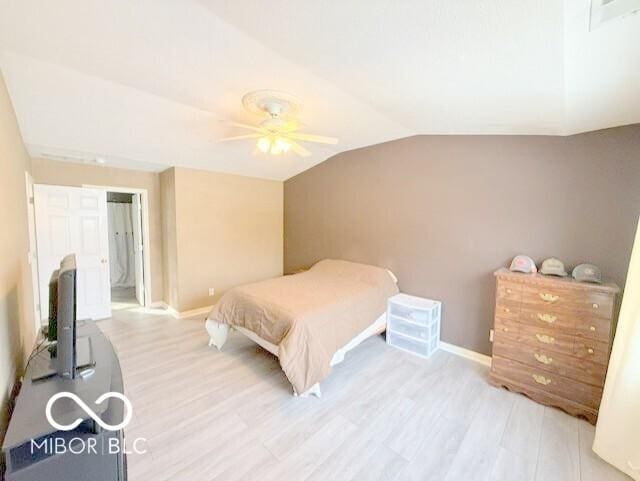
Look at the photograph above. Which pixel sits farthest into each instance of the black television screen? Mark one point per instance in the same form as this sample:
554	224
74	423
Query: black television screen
52	332
62	310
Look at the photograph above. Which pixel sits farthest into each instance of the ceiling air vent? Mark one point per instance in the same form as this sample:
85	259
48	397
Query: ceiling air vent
603	11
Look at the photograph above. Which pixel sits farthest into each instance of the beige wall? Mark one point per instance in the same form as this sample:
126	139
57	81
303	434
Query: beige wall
17	327
444	211
229	231
169	238
47	171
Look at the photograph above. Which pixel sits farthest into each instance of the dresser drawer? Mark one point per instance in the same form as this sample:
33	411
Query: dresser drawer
549	361
599	304
593	328
507	327
541	380
508	309
545	317
552	340
589	349
546	297
558	299
508	291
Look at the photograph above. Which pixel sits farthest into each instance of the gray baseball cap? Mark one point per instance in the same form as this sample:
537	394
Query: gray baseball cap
587	273
553	266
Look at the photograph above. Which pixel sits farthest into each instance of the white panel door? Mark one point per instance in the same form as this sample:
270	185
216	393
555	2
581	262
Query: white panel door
73	220
138	246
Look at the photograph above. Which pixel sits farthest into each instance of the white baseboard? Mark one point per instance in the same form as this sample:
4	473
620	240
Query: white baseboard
466	353
177	314
159	305
193	312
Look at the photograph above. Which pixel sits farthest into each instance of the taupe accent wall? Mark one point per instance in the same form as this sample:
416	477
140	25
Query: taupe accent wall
223	230
17	324
46	171
443	212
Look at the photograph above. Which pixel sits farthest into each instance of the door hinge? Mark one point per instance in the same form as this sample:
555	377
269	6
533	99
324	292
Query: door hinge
31	200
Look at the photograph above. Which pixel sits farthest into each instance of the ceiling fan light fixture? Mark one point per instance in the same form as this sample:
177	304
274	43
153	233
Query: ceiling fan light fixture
264	144
279	132
275	145
282	144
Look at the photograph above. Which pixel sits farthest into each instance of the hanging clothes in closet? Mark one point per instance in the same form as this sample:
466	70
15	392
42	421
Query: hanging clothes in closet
121	258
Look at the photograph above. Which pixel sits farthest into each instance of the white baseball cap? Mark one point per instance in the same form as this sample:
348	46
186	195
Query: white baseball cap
522	263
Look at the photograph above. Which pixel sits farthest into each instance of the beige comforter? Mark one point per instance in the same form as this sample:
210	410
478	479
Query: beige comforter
309	315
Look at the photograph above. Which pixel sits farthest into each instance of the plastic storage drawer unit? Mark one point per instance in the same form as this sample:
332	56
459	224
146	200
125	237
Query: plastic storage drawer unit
413	324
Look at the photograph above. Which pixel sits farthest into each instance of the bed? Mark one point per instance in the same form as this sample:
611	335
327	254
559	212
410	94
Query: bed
308	320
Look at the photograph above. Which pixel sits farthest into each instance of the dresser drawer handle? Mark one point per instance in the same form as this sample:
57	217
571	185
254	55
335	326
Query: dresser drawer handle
594	305
546	339
592	328
548	318
543	359
541	379
590	351
506	309
545	296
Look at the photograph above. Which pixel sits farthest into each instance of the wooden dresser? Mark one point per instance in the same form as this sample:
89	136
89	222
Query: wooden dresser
552	338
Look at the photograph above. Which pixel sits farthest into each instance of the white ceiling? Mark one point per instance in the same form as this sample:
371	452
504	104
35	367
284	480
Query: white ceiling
145	83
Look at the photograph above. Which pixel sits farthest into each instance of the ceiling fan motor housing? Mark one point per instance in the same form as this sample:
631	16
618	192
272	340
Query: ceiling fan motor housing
271	102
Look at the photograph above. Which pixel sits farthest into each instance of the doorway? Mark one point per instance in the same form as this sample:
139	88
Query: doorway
125	249
139	248
76	220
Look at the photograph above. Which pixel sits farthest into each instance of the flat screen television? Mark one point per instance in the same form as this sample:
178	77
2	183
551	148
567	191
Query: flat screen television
62	317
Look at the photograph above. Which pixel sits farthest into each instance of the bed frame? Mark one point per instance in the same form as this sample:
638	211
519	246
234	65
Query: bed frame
218	334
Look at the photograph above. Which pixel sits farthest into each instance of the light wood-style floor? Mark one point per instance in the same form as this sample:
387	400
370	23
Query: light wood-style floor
384	415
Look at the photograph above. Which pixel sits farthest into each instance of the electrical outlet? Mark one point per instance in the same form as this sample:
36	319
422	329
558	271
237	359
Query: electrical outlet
490	335
212	291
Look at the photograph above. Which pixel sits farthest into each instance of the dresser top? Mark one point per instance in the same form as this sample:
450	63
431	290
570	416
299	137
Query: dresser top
554	280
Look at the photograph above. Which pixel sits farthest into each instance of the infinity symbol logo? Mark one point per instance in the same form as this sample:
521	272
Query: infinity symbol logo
89	411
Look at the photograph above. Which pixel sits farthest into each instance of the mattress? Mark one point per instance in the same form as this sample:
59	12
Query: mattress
309	316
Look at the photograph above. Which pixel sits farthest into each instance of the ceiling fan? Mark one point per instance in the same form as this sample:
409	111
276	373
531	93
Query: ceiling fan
278	132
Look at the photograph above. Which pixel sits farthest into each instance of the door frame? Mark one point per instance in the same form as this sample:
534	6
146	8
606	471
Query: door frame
32	255
146	250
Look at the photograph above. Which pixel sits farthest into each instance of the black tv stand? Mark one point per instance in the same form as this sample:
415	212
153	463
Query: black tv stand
35	450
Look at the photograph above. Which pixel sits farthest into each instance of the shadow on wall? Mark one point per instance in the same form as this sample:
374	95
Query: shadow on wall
11	359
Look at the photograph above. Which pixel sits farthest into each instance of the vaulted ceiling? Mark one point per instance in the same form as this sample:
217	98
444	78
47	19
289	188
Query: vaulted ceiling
145	83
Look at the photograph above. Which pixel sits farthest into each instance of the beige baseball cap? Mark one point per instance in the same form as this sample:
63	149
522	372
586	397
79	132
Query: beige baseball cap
553	266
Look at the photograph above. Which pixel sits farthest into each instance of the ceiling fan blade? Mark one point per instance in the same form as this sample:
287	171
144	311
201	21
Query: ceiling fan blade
299	149
312	138
240	137
246	126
